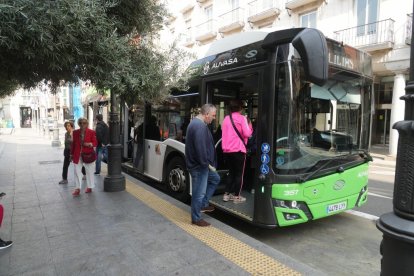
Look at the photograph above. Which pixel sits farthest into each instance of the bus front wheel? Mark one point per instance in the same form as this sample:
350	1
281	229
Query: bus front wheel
177	179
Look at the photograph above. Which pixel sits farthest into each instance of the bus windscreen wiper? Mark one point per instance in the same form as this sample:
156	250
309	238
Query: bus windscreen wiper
328	161
364	154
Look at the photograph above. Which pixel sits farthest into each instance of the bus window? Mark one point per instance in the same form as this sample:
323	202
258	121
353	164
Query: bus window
177	112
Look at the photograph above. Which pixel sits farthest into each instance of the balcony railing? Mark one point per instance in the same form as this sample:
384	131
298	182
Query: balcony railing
408	29
370	37
206	30
232	20
262	9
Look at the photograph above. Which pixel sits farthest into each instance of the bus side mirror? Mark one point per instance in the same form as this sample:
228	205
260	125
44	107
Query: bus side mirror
313	49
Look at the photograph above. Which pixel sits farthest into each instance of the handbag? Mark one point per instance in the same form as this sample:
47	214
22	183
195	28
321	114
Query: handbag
87	157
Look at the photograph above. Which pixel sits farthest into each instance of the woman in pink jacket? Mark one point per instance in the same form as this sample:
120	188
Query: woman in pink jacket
234	149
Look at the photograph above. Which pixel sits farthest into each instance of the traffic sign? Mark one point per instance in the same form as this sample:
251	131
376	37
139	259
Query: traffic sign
265	158
264	169
265	148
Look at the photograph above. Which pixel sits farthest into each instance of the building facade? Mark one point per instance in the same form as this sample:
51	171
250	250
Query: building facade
380	27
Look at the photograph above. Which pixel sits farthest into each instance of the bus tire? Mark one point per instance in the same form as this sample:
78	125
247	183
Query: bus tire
177	179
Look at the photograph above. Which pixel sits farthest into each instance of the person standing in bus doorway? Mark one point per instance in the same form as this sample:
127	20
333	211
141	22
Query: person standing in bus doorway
236	130
83	154
201	161
102	135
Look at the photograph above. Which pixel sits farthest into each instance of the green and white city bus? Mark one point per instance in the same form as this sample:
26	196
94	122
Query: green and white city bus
309	98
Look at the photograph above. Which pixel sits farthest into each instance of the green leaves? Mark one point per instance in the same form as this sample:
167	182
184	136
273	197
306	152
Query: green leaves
68	40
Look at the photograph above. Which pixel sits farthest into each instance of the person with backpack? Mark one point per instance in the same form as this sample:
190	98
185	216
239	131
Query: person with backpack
236	130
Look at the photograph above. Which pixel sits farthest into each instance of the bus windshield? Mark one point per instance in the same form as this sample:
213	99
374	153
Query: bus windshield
315	123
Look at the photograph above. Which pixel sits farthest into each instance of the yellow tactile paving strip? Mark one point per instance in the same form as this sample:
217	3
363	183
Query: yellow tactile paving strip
243	255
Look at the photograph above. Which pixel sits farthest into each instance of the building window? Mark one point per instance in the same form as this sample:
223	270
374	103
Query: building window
308	20
234	4
267	4
208	11
367	15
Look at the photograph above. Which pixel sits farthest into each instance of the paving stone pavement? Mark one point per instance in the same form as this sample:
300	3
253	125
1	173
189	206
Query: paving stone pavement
95	234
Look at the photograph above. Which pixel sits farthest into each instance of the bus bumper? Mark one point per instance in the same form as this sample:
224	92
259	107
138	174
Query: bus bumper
319	198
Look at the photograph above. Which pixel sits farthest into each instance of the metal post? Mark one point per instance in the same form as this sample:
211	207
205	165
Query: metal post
115	180
55	141
397	247
71	116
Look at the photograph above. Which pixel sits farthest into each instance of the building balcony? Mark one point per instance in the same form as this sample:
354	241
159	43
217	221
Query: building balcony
188	7
408	29
231	20
262	9
294	4
186	39
206	30
369	37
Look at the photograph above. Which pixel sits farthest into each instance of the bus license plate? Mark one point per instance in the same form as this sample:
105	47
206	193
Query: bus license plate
336	207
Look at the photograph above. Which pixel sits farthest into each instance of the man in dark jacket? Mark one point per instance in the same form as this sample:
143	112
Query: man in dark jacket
201	161
102	135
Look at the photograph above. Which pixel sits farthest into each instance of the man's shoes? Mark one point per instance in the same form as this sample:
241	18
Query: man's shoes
88	190
207	209
227	197
96	173
201	223
63	181
76	192
5	244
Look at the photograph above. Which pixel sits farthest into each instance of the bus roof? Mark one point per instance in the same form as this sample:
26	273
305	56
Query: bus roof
247	49
235	41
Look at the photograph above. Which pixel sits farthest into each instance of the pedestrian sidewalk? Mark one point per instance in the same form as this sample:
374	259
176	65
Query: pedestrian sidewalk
140	231
381	157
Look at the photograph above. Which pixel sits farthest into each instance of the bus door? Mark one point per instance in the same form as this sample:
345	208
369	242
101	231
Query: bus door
220	92
154	133
137	117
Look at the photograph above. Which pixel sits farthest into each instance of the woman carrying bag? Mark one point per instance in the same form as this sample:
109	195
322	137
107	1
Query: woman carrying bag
236	130
83	154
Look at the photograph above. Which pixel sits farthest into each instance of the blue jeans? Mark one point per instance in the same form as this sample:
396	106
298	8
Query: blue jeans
100	151
204	184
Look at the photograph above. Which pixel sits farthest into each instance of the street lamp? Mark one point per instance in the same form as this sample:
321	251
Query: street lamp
397	247
114	181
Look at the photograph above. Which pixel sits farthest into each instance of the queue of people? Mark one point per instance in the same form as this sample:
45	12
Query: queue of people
201	157
80	145
200	153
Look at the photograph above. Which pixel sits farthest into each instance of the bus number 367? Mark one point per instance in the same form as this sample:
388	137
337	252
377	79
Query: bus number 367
291	192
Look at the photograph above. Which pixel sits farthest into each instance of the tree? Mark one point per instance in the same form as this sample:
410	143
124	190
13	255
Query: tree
70	40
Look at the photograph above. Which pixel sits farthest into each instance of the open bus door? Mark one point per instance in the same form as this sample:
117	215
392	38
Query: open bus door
244	86
139	139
